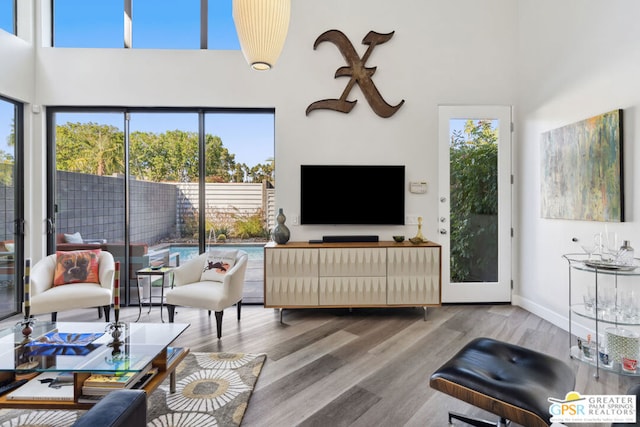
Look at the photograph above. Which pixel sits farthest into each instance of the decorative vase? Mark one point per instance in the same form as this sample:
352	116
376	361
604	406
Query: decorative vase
281	232
419	238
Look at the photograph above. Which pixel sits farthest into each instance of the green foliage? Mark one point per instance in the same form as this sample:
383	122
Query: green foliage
190	224
247	226
89	148
6	171
7	160
172	156
474	202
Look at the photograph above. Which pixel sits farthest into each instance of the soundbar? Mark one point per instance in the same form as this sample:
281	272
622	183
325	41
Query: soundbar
347	238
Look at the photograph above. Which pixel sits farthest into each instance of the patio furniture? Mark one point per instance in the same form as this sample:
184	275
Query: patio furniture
189	290
47	298
63	245
164	273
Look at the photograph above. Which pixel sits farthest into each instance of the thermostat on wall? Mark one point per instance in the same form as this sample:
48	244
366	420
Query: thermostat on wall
418	187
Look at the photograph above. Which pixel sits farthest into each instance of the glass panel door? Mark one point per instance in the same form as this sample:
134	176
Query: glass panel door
240	187
10	202
89	182
165	225
475	203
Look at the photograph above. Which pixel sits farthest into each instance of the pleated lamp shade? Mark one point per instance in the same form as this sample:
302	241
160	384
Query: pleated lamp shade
262	27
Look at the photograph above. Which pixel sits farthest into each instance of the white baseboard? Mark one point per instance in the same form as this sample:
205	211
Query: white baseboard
581	329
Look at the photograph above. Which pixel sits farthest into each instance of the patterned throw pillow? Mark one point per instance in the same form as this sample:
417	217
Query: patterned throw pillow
217	264
77	267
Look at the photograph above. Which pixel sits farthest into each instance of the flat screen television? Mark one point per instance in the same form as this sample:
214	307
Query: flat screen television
344	194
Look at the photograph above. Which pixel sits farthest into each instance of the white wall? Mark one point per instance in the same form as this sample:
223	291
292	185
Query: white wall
578	58
442	52
16	68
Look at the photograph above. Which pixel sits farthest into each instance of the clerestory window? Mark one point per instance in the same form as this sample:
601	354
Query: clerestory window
8	16
144	24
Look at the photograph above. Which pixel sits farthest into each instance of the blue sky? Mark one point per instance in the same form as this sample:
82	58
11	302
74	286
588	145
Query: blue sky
6	15
165	24
160	24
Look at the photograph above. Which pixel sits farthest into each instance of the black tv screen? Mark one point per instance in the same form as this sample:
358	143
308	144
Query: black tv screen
340	194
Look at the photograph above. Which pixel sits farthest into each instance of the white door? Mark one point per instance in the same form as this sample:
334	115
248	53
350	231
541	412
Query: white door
475	203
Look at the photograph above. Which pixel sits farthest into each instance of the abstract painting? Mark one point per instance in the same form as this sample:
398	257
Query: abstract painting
581	174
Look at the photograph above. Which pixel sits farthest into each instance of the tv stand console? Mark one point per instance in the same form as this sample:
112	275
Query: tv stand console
356	274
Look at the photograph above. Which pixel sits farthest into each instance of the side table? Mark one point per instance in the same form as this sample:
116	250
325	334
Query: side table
150	272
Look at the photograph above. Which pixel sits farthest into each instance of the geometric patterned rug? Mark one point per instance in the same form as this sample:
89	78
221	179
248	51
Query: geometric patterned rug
212	389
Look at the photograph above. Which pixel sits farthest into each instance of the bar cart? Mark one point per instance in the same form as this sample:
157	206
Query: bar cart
620	309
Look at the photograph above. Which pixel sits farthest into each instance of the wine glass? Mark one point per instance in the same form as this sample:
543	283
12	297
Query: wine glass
610	246
591	246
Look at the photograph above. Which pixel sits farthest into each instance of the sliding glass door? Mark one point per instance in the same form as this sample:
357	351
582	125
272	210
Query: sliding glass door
240	187
11	207
163	157
153	188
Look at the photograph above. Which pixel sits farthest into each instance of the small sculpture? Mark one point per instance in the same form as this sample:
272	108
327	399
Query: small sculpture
419	238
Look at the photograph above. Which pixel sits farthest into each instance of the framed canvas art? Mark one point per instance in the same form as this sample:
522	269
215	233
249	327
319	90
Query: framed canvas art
581	175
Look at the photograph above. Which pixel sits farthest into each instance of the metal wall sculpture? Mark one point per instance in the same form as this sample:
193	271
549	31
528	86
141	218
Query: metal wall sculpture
358	74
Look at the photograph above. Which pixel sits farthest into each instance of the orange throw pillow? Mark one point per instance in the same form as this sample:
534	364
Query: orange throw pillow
77	267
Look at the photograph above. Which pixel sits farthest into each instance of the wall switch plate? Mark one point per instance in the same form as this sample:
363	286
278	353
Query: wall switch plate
295	220
418	187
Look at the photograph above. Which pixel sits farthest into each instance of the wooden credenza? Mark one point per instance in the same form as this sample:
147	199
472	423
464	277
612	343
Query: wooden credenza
380	274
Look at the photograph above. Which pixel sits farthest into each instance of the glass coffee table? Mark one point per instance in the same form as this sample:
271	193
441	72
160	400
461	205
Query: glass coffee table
79	349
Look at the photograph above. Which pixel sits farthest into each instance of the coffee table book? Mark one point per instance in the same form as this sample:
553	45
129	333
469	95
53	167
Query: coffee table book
104	383
36	389
140	384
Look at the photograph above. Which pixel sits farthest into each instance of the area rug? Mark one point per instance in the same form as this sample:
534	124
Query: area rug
212	389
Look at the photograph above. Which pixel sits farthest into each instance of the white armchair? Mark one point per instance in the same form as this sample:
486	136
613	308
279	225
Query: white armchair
46	298
189	291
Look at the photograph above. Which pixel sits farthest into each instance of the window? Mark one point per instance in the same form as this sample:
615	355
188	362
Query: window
155	24
166	24
222	33
136	175
8	16
82	23
11	206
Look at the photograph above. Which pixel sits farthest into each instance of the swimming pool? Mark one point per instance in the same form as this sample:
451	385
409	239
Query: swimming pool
255	252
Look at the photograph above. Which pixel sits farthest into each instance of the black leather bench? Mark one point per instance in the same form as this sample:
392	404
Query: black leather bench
508	380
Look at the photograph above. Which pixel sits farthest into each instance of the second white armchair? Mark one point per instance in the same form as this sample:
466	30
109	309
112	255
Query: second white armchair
213	293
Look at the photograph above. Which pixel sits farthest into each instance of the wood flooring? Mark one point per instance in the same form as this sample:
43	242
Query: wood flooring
365	367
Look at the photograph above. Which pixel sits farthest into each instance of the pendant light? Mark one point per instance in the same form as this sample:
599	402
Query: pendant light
262	29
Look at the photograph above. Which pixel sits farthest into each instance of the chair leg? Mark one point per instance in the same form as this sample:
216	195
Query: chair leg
476	422
209	313
54	316
219	322
171	310
106	309
239	304
100	313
